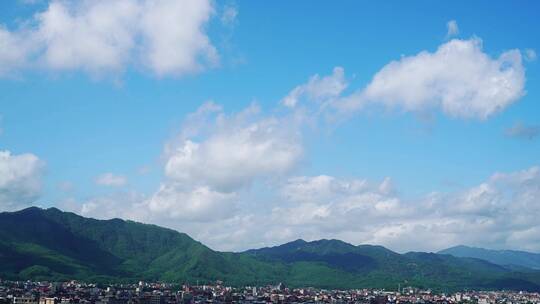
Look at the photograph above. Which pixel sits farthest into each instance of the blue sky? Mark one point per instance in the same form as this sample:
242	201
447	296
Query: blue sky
84	122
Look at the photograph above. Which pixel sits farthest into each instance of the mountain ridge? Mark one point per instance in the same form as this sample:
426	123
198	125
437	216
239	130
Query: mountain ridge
50	244
505	257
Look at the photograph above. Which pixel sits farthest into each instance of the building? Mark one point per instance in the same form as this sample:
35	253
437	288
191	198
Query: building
48	301
25	300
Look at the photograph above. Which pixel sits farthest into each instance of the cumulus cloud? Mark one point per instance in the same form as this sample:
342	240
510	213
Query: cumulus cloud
452	28
194	204
334	204
174	37
459	79
523	131
166	37
20	180
218	155
234	149
111	180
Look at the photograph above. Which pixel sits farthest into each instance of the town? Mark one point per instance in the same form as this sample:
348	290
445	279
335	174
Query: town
28	292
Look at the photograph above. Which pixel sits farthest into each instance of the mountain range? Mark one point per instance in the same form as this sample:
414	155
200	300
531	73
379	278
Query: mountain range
49	244
508	258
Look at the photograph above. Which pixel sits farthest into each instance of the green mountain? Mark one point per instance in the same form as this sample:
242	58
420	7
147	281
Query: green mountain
53	245
376	266
509	258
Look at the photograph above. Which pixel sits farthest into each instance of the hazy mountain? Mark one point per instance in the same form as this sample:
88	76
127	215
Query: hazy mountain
54	245
507	258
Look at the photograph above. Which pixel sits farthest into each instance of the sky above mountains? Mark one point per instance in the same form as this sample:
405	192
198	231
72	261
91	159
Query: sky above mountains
244	124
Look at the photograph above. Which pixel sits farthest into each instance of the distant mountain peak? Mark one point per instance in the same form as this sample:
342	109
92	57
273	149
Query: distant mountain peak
54	209
330	241
28	209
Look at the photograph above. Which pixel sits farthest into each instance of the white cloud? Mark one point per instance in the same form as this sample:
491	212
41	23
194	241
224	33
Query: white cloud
235	150
111	180
459	79
169	204
332	200
94	36
174	37
193	204
20	180
217	155
452	28
320	189
165	36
